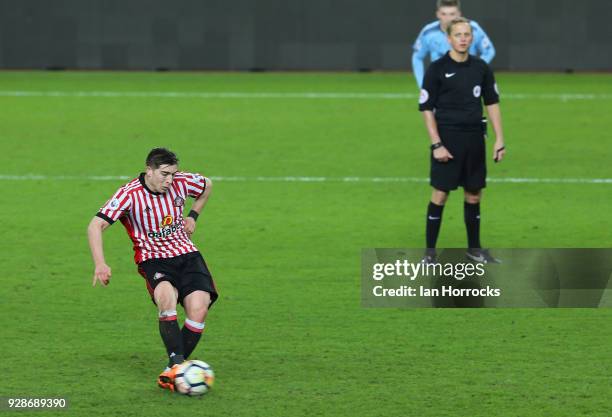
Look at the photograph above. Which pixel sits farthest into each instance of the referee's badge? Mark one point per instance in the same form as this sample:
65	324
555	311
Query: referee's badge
178	202
476	91
424	96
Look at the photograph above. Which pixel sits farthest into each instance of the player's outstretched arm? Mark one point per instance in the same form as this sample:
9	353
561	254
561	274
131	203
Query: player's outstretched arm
484	45
198	206
488	53
102	271
418	68
499	149
420	50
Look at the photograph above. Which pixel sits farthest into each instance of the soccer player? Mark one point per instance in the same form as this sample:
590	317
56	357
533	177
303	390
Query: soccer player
432	39
151	210
451	102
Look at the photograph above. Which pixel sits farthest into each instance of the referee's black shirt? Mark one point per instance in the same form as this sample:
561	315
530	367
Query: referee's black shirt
453	91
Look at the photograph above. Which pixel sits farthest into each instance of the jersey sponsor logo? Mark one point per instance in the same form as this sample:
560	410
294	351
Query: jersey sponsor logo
164	232
167	221
114	204
448	75
178	202
424	96
476	91
168	228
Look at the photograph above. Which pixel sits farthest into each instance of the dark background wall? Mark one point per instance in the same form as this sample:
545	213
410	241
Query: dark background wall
290	34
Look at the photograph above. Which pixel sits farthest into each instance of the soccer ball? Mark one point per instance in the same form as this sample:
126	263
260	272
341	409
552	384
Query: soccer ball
194	378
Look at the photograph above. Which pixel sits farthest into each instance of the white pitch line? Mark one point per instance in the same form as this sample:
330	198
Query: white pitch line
36	177
288	95
208	95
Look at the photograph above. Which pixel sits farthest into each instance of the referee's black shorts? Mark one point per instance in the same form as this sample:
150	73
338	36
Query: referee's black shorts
468	167
187	273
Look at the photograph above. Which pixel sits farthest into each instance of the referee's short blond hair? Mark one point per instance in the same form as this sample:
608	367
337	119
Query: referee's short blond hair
456	21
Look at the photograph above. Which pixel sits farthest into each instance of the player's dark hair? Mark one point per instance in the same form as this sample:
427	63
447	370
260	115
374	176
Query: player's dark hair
456	21
448	3
161	156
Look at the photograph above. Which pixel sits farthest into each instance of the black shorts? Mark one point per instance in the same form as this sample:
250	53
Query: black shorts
187	273
468	167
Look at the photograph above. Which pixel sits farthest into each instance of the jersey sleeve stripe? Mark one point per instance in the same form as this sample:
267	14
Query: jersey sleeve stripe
196	185
105	217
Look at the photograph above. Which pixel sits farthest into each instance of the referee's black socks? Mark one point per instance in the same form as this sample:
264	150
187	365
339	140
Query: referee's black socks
471	215
434	220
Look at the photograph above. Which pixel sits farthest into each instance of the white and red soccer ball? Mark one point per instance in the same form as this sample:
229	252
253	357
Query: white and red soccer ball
194	378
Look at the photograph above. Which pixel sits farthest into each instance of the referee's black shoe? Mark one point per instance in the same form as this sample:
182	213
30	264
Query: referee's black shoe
482	256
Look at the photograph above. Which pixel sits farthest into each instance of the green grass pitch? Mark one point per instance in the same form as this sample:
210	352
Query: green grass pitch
288	336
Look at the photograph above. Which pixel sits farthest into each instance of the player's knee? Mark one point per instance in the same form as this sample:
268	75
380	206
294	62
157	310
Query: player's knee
197	305
165	296
198	313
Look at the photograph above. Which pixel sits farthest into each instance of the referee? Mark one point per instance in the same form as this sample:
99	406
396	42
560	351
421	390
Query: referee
451	101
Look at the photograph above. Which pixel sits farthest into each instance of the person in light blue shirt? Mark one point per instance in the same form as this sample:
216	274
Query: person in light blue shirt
432	39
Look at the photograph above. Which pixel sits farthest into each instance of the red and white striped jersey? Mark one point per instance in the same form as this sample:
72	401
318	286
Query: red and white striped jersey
154	221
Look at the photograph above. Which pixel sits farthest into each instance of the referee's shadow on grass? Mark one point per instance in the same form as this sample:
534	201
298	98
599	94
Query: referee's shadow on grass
455	257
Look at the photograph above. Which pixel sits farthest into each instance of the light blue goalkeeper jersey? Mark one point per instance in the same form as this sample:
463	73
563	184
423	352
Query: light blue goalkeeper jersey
432	41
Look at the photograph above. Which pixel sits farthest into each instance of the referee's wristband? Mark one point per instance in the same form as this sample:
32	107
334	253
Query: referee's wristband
436	145
194	215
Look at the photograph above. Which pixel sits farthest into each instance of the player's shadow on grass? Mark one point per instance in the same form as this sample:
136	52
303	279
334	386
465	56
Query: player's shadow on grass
133	366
